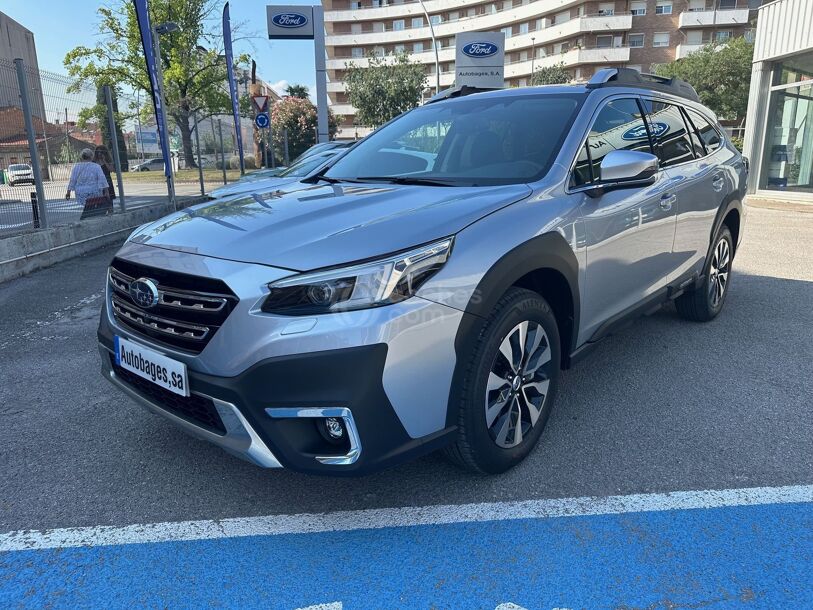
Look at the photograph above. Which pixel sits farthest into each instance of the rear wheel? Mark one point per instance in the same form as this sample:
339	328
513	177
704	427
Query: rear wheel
706	301
509	384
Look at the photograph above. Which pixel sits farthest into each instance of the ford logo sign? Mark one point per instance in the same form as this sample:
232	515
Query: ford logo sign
639	131
480	49
289	20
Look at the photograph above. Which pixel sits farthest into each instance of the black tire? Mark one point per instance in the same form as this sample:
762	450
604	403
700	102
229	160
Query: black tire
706	301
477	447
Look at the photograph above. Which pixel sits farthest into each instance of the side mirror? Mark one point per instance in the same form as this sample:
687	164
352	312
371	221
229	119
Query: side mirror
625	169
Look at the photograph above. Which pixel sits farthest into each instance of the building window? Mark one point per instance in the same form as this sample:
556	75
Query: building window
660	39
357	52
788	154
454	15
636	41
663	7
435	19
694	37
417	22
523	28
697	5
723	35
507	31
399	48
355	5
398	25
561	18
638	9
727	4
417	47
606	9
604	42
355	28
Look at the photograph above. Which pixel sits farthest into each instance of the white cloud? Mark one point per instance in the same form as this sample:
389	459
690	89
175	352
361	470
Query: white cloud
280	86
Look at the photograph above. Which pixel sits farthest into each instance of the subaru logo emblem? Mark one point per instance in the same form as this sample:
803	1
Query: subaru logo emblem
638	132
144	292
480	49
289	20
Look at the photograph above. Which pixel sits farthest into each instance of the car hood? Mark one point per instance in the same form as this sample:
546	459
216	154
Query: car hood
251	185
304	227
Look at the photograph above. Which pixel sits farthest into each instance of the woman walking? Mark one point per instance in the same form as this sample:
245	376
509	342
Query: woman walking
88	182
102	158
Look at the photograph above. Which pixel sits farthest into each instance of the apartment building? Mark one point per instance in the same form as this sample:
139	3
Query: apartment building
584	35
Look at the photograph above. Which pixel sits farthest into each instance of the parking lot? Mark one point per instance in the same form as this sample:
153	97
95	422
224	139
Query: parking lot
664	406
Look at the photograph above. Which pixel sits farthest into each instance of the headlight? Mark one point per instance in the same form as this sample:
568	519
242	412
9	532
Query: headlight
367	285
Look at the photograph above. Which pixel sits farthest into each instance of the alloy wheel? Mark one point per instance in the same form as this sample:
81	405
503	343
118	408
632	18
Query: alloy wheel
718	272
518	383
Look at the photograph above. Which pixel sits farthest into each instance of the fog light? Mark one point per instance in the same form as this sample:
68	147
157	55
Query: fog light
334	427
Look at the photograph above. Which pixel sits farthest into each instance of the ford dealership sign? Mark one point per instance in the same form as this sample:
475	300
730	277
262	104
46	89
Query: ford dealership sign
480	49
289	20
480	59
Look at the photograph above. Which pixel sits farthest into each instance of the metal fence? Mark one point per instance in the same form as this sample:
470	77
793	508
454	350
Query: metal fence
52	117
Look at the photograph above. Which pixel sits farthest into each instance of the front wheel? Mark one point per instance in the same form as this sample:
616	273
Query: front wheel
706	301
508	386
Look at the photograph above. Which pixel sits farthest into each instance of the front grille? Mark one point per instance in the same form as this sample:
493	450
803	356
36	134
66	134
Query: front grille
197	409
189	311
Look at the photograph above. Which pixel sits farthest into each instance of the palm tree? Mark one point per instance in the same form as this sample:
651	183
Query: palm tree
300	91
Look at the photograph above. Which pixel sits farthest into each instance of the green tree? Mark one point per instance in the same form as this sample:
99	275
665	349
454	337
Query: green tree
194	69
298	117
386	88
721	74
552	75
300	91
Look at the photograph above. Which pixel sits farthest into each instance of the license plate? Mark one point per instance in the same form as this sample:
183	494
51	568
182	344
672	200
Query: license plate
152	366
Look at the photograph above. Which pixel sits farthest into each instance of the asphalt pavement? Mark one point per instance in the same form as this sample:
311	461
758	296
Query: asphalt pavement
663	406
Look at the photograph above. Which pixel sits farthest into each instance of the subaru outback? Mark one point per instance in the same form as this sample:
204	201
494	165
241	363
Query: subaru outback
424	290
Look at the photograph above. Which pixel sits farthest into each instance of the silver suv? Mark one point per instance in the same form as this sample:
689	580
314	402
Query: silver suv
424	291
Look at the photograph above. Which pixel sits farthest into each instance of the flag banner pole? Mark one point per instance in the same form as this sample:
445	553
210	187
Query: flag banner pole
232	84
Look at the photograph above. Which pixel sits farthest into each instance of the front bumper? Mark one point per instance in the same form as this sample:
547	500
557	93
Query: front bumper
267	412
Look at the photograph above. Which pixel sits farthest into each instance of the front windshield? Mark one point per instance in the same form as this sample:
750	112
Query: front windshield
505	139
306	166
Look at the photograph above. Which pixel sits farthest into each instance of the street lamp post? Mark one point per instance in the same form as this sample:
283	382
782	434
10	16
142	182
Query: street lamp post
158	30
434	46
533	57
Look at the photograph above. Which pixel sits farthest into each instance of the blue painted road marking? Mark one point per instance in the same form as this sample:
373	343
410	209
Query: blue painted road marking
758	556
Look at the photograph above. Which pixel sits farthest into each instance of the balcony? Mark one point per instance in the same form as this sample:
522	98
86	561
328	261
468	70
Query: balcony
722	17
683	50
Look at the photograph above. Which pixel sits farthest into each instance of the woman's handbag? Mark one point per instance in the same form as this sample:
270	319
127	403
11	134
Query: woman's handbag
97	206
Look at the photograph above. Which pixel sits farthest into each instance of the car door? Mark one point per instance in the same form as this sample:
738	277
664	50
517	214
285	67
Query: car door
702	186
692	178
629	232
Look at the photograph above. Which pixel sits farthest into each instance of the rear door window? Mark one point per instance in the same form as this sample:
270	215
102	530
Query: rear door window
672	142
707	132
618	126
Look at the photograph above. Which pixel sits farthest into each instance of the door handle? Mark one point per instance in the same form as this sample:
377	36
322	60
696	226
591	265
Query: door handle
667	201
718	183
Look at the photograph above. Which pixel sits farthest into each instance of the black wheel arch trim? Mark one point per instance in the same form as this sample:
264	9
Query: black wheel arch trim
732	202
547	251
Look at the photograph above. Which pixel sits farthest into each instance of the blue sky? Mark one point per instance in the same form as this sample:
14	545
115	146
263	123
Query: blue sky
61	25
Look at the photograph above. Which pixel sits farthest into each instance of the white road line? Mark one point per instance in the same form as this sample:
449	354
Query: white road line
273	525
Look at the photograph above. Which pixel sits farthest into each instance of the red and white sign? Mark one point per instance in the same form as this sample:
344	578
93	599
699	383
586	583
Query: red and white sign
260	102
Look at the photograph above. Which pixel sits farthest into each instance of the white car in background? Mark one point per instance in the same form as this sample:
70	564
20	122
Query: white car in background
19	173
261	180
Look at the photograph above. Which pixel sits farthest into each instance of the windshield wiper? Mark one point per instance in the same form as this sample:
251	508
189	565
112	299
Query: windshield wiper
321	176
406	180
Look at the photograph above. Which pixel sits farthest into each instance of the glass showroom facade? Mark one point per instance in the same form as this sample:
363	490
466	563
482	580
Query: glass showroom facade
787	157
779	125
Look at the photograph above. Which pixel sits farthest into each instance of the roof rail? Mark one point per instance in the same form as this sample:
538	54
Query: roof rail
627	77
459	91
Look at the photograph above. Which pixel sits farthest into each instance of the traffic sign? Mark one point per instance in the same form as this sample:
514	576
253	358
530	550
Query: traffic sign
260	102
261	120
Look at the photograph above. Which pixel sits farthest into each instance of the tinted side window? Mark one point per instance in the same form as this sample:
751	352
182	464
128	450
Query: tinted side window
673	145
706	130
618	126
697	143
